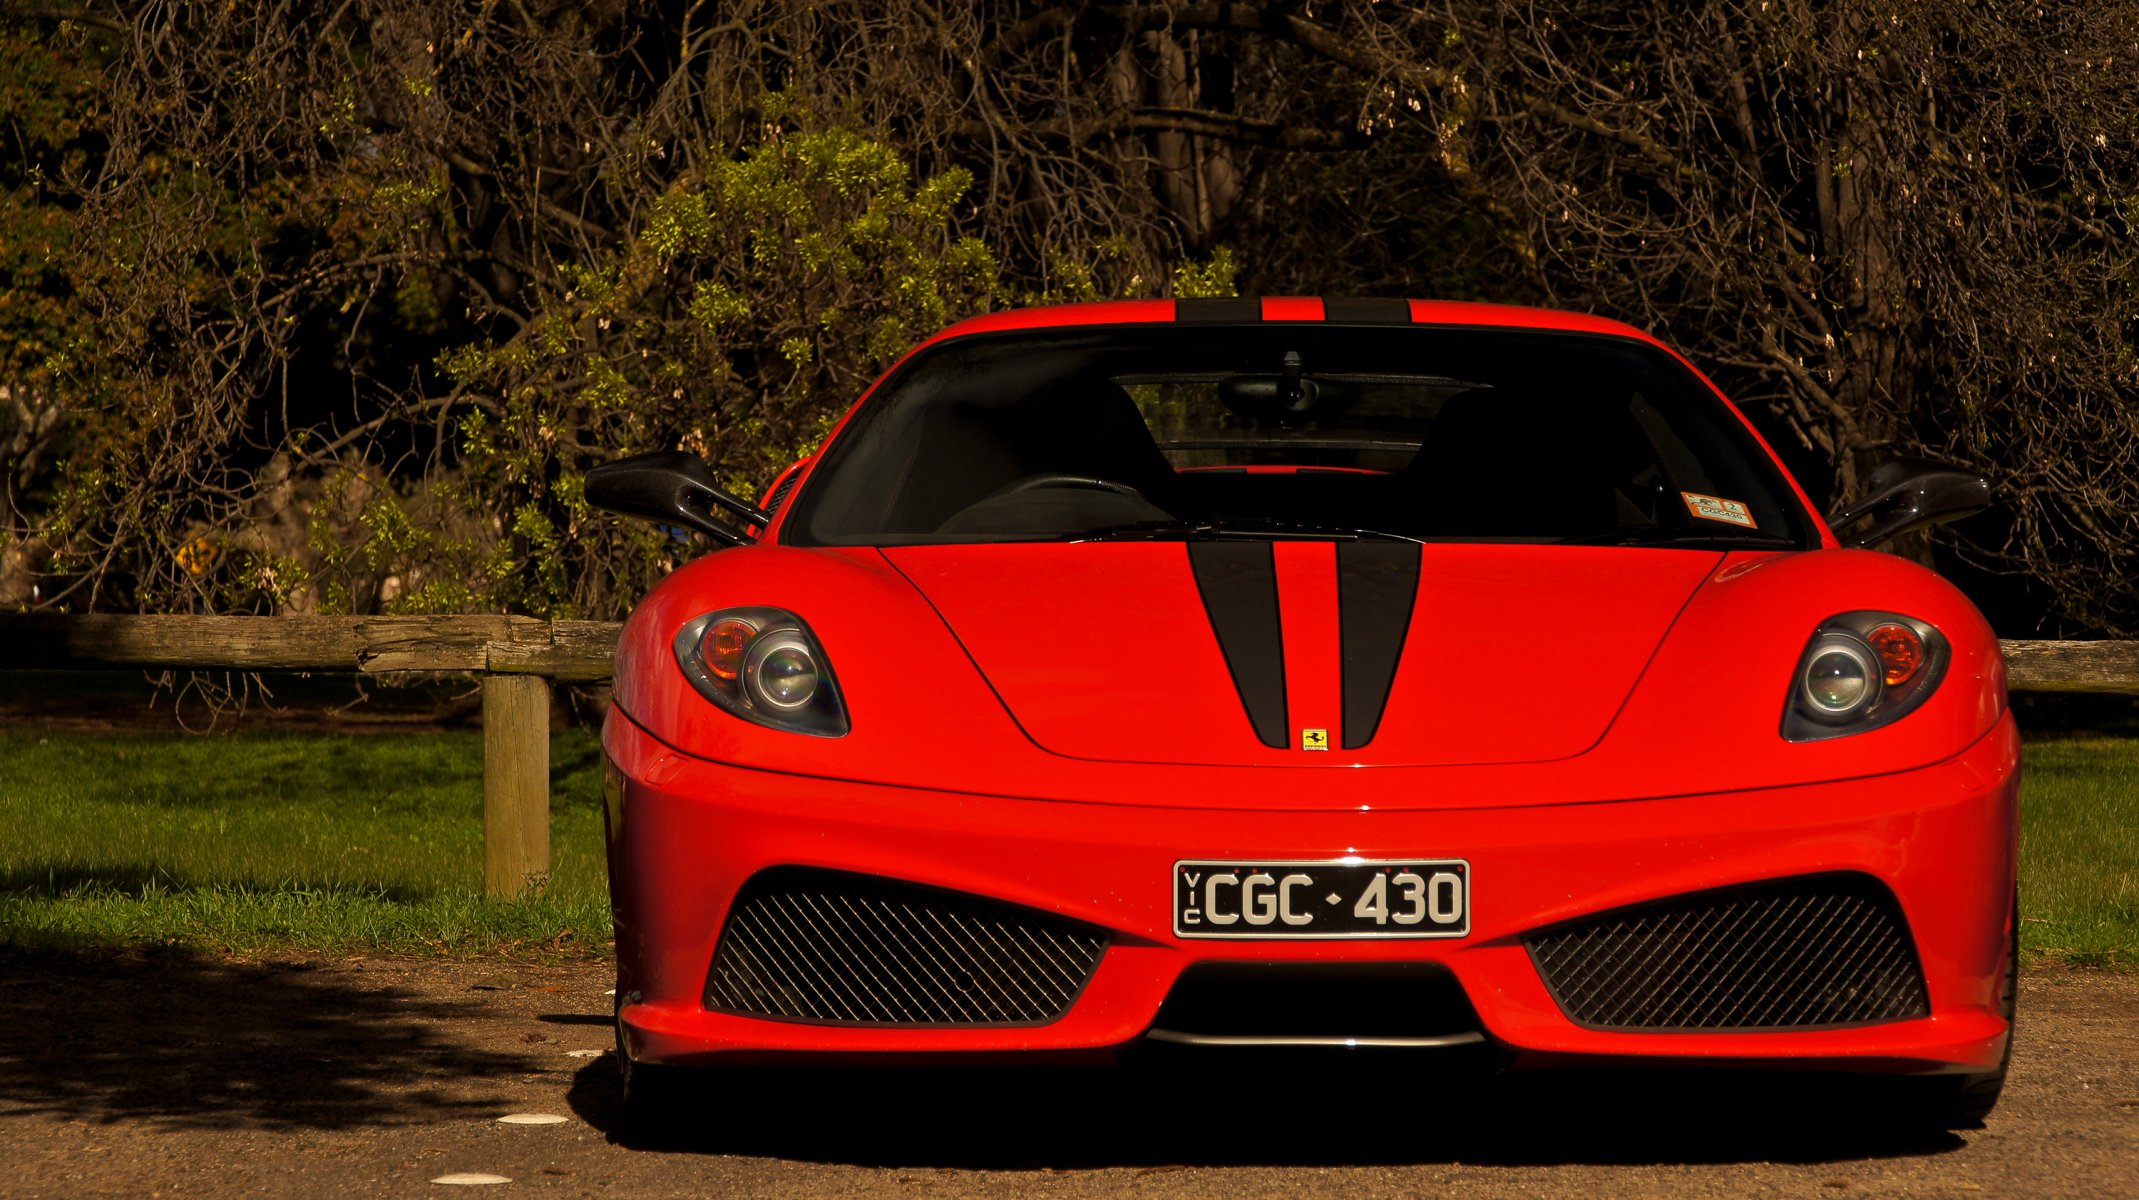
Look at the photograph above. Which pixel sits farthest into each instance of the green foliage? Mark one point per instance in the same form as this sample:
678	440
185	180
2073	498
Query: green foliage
755	301
308	324
1216	277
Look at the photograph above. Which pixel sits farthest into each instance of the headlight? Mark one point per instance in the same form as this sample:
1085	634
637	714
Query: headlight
781	672
1862	670
763	665
1841	681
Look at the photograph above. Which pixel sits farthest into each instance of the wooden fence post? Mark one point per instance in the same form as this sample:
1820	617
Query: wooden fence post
516	785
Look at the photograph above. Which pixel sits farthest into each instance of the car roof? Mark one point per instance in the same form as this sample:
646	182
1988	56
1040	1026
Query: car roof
1252	309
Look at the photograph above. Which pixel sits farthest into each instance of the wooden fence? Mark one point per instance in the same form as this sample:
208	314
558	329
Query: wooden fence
519	658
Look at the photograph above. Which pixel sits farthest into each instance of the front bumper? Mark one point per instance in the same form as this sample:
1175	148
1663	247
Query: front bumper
685	833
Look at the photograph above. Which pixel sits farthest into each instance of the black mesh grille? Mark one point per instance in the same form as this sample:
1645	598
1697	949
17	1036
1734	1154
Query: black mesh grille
810	945
779	494
1821	950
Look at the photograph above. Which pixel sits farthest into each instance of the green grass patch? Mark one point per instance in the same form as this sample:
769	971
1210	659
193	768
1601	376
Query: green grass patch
270	843
2079	850
265	843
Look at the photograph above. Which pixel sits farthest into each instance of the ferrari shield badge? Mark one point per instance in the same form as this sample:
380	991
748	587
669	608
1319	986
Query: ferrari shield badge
1716	508
1314	739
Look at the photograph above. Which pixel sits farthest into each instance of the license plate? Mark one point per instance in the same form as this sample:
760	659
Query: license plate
1340	898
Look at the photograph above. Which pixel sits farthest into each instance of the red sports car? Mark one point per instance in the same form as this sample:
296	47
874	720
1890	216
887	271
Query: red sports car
1292	672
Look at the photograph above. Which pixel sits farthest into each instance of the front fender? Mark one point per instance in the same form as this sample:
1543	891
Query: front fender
910	691
1718	686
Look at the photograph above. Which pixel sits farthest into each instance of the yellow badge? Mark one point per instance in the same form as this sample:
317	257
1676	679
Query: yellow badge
1314	739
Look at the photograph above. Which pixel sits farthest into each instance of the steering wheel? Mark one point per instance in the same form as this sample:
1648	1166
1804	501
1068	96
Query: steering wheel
1067	479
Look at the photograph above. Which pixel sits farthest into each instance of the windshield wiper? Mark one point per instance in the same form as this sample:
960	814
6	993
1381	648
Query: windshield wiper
1230	527
1664	535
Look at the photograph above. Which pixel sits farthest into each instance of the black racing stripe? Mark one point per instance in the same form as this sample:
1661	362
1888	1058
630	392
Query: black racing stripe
1230	310
1238	581
1366	310
1377	586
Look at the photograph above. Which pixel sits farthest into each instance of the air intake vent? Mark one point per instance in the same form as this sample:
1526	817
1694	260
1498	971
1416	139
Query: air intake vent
779	494
1813	952
1317	1004
834	948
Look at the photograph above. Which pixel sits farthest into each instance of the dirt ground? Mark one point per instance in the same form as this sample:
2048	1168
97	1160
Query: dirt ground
182	1076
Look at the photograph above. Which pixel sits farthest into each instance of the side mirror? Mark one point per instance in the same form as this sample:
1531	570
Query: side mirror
670	487
1911	494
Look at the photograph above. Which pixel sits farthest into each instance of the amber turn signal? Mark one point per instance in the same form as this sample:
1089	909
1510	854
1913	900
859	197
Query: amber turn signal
1900	651
724	645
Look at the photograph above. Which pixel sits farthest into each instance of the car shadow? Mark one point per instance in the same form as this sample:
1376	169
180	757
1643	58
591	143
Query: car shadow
192	1041
1372	1108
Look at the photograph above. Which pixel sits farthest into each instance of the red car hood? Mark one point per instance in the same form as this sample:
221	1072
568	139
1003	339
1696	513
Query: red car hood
1236	653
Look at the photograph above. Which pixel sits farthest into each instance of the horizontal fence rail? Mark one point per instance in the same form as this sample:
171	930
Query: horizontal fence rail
2102	667
567	651
520	657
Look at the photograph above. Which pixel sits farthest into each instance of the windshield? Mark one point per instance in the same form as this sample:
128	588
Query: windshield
1272	431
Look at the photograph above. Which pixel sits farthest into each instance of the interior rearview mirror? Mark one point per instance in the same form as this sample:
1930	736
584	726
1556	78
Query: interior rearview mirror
1908	494
671	487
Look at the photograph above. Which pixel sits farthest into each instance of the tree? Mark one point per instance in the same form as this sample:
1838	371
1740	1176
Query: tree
757	297
1888	230
417	249
44	93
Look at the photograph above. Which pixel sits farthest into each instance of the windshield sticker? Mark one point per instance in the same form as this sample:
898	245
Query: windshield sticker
1716	508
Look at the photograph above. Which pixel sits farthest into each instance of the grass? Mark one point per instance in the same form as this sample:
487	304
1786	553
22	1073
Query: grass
2079	850
269	843
264	843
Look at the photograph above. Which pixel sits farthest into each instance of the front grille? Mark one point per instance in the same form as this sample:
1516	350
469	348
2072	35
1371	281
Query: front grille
829	947
1816	951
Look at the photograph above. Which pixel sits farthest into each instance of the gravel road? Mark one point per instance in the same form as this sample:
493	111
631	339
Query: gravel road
181	1076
